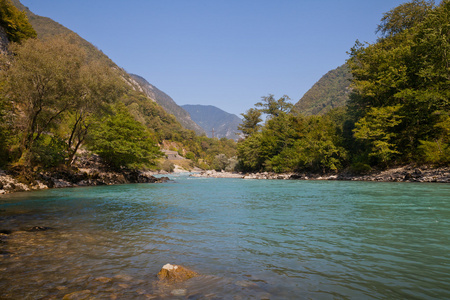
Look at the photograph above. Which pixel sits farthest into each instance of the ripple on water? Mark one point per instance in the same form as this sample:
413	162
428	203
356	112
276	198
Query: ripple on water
249	239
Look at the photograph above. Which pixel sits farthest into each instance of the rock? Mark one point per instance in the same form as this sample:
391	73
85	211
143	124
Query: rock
174	273
103	279
5	231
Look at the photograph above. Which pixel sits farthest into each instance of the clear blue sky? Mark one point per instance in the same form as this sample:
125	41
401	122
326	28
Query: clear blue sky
226	53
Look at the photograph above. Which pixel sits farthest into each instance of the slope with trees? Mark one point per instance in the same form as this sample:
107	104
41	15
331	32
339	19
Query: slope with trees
398	110
58	93
331	91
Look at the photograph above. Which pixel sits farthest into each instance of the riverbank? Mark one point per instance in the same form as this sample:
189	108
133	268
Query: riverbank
92	173
86	172
400	174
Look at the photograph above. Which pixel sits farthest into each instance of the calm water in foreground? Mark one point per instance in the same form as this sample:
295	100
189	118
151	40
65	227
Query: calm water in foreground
248	239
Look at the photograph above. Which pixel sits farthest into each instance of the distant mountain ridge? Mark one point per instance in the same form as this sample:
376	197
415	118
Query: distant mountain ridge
331	91
212	118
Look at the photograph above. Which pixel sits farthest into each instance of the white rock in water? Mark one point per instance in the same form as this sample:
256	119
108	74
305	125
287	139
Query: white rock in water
170	267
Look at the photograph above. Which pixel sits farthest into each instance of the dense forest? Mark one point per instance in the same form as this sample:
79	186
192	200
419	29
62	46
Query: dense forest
60	95
397	112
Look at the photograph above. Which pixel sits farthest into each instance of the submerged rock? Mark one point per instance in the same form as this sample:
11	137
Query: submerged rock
103	279
174	273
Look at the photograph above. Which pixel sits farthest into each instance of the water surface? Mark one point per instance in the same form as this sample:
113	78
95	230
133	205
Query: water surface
249	239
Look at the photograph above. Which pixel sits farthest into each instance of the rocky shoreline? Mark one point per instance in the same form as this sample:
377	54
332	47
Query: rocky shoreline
87	172
408	173
92	173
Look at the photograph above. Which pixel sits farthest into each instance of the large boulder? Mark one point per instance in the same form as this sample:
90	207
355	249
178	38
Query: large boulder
174	273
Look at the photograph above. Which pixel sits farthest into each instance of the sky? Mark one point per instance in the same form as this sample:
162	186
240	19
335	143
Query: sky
226	53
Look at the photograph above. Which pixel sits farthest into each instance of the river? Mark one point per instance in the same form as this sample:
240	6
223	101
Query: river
248	239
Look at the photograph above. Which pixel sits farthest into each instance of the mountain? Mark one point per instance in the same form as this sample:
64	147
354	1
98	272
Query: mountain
168	104
212	118
332	90
47	28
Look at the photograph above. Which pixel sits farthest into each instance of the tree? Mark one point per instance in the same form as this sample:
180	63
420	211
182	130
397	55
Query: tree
251	121
273	107
42	82
404	16
123	142
99	85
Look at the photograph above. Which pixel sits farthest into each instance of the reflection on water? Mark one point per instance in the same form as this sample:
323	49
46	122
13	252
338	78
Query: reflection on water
248	239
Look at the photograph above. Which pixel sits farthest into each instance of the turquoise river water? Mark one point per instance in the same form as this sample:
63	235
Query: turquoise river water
248	239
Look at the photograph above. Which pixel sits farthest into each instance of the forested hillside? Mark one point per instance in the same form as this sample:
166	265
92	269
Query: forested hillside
398	110
331	91
60	94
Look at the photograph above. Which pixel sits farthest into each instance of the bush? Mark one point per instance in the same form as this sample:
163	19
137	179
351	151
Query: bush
123	142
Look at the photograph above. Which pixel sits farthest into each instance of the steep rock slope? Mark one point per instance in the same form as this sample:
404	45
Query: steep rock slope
212	118
331	91
168	104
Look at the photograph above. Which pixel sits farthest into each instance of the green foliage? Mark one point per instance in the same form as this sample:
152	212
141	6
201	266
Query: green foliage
123	142
48	152
437	151
404	16
408	69
376	127
250	123
15	22
273	107
288	143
